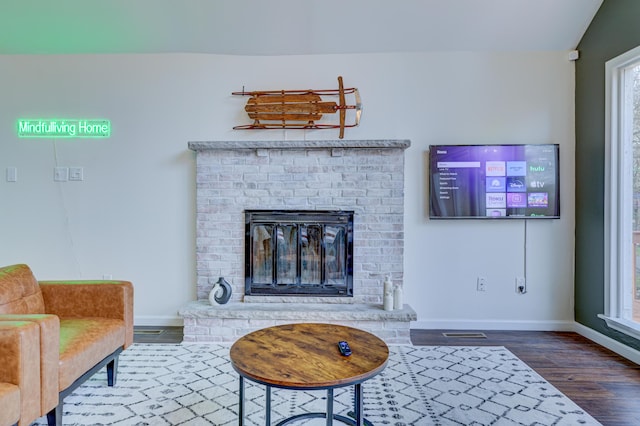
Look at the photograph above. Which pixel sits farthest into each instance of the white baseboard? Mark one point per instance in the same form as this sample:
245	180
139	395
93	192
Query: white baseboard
157	320
494	325
609	343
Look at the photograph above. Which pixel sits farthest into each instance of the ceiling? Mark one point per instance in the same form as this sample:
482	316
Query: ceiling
291	27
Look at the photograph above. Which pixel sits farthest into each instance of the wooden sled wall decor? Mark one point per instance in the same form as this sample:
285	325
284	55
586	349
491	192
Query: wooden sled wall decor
300	109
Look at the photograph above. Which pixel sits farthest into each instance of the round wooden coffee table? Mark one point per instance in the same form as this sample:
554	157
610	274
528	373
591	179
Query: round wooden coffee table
306	357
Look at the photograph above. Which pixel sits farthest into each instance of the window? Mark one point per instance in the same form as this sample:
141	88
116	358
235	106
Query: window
622	194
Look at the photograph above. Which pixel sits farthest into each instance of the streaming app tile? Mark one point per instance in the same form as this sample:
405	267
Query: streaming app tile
516	199
496	184
538	199
495	168
496	200
536	183
516	184
516	168
537	168
496	212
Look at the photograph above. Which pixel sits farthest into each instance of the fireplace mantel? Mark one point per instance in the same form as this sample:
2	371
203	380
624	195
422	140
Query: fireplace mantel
301	144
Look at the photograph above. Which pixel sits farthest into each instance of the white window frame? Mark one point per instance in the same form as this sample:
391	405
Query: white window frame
618	204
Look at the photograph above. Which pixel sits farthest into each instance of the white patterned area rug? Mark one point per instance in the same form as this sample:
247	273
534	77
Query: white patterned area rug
194	384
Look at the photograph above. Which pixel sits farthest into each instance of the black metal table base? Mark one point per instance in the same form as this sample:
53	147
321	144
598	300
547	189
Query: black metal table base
356	416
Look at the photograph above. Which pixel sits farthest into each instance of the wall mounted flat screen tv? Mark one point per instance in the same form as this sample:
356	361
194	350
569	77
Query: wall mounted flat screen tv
494	181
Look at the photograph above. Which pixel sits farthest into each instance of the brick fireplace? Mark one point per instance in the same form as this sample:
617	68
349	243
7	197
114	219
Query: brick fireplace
232	177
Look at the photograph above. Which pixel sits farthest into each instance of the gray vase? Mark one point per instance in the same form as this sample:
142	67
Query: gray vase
220	293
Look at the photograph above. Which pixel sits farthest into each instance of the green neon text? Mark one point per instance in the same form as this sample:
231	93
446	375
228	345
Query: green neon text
49	128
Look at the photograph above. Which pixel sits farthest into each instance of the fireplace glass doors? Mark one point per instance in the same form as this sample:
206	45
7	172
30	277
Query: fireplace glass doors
299	253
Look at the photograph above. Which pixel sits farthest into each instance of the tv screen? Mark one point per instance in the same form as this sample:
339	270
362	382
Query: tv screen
494	181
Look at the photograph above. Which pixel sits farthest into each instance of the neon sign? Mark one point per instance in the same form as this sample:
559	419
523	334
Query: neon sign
54	128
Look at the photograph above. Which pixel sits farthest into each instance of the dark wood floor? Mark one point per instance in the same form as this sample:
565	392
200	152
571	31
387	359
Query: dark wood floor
603	383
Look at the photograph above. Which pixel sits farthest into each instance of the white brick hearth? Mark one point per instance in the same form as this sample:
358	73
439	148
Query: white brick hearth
233	176
225	323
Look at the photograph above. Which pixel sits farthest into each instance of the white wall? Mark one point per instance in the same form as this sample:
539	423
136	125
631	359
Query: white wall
133	215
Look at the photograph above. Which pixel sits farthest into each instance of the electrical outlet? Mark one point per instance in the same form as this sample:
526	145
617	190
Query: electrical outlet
521	285
481	284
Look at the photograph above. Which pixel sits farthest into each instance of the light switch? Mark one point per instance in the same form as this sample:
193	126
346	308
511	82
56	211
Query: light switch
12	174
61	174
76	173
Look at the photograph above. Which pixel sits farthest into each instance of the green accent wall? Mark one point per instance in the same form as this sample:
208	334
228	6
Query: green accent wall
613	31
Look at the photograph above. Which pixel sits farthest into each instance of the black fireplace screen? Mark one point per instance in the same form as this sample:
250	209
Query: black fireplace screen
299	253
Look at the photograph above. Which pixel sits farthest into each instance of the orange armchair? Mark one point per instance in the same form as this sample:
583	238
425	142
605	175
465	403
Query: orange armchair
83	325
19	372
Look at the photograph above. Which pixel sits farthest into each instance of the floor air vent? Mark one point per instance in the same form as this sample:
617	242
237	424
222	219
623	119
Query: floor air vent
466	335
152	332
